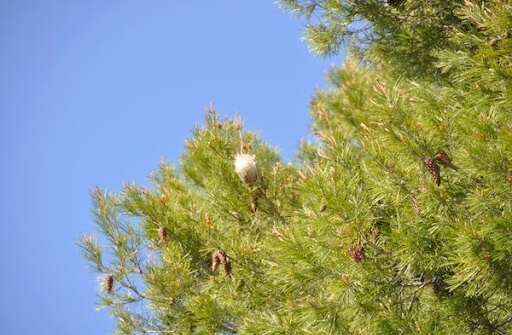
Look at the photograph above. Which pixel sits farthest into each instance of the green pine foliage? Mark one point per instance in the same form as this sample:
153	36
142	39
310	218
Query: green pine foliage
404	32
398	220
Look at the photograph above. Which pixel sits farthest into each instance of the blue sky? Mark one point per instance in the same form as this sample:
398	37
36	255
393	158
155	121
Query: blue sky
97	93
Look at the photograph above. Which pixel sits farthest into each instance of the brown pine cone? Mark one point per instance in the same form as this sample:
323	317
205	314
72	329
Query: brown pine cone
219	257
162	235
108	283
434	170
443	159
357	253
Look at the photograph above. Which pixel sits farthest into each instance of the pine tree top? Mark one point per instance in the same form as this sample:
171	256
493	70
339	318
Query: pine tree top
397	220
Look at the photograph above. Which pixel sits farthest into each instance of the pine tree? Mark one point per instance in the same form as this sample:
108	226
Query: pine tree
398	220
391	32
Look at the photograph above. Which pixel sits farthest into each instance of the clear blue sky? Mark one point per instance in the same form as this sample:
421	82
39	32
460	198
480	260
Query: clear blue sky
97	92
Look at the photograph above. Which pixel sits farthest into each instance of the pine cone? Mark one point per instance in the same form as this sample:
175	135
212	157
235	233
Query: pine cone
445	160
215	260
219	257
357	253
434	170
162	235
108	283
